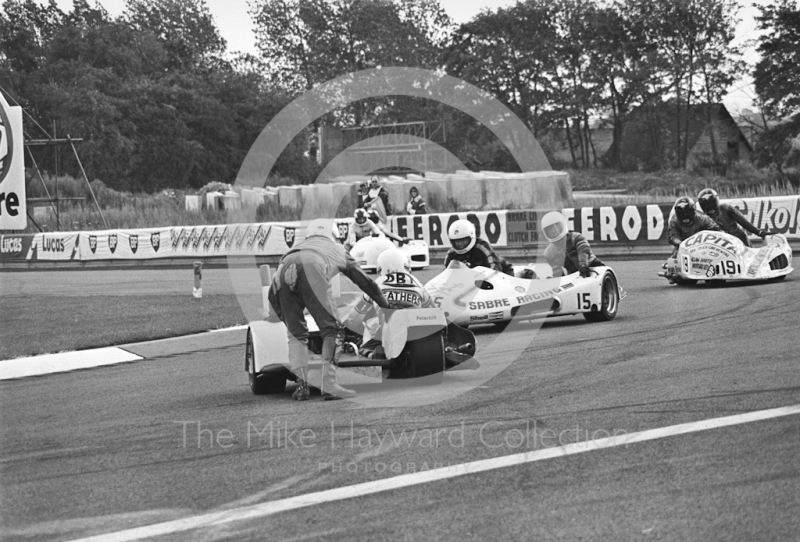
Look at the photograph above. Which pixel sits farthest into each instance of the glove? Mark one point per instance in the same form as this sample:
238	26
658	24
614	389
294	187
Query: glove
585	271
376	235
763	233
405	241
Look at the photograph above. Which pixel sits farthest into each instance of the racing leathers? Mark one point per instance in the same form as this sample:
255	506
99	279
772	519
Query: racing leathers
359	231
678	231
572	253
729	218
482	254
302	281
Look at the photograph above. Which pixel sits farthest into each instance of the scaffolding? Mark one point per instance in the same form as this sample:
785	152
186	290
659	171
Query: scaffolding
389	148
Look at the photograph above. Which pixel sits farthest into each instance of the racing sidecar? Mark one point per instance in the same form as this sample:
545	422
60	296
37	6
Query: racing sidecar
367	250
714	256
418	344
479	295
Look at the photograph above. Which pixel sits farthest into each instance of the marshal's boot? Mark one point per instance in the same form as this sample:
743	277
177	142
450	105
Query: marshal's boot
330	389
302	392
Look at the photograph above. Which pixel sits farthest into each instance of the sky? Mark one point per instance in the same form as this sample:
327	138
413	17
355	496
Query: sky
236	27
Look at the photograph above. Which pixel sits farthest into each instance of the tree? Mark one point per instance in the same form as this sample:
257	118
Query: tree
696	57
509	53
777	74
185	27
307	42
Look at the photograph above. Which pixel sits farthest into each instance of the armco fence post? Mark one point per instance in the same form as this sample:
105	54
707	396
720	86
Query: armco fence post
197	292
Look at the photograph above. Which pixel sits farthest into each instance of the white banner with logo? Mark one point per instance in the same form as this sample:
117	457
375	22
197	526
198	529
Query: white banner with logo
632	224
13	210
776	215
55	246
125	244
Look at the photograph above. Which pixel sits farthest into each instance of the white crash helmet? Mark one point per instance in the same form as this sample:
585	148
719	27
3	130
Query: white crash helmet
462	236
554	226
323	227
360	216
392	261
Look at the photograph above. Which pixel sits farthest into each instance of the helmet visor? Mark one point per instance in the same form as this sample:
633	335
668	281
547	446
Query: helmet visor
708	205
553	230
460	244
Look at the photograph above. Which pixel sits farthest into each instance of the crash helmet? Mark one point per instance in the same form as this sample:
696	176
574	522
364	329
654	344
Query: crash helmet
684	210
709	201
554	226
360	216
462	236
323	227
392	261
374	216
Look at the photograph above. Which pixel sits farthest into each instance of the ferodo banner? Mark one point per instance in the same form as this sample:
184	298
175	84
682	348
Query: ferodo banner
626	224
125	244
776	215
55	246
490	225
13	213
15	247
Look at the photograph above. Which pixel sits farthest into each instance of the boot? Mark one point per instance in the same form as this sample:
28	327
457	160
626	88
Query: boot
302	392
330	389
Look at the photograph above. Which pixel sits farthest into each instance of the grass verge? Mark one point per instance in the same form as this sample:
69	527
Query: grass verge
44	325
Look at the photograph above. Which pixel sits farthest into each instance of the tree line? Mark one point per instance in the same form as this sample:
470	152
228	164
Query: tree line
159	102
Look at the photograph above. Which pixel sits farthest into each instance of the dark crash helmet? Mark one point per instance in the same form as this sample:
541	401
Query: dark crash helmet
684	210
374	216
709	201
360	216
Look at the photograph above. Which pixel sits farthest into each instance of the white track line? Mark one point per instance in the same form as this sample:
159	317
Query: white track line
63	362
408	480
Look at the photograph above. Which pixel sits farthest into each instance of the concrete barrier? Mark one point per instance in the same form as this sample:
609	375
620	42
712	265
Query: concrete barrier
290	197
192	204
397	194
468	191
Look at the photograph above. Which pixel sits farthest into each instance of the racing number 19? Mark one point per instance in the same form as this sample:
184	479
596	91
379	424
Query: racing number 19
728	267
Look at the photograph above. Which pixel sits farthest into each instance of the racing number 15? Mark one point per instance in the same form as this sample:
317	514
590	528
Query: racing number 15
584	302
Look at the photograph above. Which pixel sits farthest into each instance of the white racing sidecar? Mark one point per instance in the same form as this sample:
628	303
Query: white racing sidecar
717	257
367	250
418	344
479	295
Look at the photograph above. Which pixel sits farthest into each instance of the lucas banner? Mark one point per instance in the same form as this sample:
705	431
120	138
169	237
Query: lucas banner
55	246
15	247
13	211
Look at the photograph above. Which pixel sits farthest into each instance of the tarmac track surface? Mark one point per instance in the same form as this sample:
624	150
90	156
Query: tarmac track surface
179	435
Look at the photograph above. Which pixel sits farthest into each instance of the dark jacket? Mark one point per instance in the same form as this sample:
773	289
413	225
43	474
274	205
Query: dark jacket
729	219
482	254
679	232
